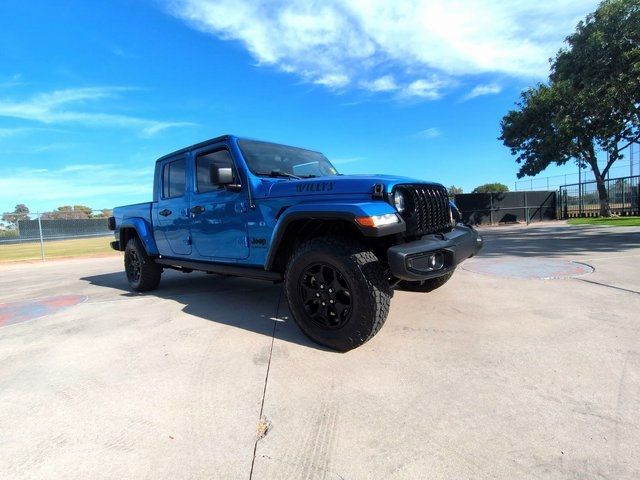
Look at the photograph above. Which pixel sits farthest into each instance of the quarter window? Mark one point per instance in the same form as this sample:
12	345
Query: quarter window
207	166
173	179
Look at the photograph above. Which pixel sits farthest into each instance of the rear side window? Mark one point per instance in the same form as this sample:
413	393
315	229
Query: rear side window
173	179
206	168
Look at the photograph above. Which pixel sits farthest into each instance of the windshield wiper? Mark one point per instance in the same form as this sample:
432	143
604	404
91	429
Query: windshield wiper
276	173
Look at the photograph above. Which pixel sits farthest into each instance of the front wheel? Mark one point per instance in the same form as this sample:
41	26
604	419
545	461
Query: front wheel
425	285
142	272
337	291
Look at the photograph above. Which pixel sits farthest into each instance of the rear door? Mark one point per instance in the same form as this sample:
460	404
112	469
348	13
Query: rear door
172	214
218	212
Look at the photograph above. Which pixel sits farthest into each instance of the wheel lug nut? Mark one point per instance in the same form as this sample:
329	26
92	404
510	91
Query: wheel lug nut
331	290
323	304
318	294
322	286
331	301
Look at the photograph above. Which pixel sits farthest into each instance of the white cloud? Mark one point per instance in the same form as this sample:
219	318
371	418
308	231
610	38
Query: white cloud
383	84
12	132
53	108
333	80
429	89
341	43
480	90
13	81
91	185
429	133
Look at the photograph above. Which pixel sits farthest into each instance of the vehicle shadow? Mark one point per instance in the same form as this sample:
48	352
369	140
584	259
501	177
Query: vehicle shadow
557	240
251	305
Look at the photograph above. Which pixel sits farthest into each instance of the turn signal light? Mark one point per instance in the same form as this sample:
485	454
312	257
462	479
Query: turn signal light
378	220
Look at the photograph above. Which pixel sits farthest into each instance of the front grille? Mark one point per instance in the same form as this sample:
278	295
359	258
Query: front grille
427	209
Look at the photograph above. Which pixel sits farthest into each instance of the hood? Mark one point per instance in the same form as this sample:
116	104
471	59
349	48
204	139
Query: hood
335	185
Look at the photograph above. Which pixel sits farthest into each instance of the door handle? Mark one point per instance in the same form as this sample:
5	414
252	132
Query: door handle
197	209
165	212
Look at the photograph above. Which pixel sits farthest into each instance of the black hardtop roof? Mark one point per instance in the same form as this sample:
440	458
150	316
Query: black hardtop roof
195	146
208	142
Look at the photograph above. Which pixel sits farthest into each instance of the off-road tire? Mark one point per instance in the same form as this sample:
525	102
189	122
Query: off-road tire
360	270
142	272
425	285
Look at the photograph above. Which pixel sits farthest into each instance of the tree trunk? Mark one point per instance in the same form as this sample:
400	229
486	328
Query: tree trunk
603	197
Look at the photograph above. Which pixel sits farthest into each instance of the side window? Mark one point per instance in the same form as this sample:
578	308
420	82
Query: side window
206	168
173	179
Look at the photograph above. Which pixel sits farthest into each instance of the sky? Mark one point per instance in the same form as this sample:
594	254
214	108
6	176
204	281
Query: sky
91	93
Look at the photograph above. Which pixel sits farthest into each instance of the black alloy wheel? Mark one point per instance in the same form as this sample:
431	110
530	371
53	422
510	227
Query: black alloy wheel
133	266
337	290
143	273
326	296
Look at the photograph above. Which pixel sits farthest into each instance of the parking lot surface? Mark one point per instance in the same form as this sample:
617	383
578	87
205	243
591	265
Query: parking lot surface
508	371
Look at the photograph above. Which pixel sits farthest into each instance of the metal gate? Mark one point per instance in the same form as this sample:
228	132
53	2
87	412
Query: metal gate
581	199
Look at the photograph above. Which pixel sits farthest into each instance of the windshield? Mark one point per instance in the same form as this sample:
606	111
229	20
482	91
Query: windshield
275	160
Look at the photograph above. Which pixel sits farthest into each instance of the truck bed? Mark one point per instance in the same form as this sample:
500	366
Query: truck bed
139	210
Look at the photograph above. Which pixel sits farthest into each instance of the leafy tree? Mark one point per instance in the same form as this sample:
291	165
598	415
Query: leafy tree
491	188
453	191
591	101
20	212
83	211
67	212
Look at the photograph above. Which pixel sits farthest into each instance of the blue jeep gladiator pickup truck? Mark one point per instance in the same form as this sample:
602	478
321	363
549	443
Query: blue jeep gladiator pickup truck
340	243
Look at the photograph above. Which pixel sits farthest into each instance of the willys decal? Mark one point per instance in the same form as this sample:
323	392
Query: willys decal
315	187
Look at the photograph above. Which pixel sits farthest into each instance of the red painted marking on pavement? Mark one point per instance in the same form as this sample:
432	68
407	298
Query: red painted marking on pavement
16	312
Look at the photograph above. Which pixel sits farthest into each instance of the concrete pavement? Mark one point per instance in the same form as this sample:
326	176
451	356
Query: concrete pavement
487	377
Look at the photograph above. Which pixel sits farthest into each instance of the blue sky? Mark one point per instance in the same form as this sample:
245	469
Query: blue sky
91	93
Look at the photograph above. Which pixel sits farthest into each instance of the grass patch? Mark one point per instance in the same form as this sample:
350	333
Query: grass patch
615	221
76	247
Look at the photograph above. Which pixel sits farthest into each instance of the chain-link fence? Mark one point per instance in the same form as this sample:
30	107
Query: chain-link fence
42	236
582	200
622	169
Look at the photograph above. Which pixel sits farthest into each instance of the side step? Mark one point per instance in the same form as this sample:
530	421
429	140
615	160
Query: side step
221	269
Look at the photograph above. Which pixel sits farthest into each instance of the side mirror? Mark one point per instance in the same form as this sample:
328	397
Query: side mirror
224	176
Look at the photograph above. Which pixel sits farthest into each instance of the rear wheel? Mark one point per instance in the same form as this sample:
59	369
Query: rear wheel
425	285
337	291
142	272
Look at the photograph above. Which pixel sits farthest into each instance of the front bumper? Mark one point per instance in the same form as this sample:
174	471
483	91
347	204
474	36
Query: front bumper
407	261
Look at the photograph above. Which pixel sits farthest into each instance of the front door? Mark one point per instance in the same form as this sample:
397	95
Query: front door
218	212
172	214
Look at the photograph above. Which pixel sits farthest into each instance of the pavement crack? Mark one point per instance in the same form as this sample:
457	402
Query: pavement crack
264	391
610	286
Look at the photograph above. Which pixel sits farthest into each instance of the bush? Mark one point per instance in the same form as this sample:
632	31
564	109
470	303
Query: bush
8	233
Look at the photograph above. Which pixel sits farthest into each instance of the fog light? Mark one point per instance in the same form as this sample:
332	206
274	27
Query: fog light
427	262
436	261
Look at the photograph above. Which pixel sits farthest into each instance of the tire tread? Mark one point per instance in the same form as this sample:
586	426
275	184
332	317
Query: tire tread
150	273
358	255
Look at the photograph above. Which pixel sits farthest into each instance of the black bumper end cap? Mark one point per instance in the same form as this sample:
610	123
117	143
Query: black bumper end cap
457	245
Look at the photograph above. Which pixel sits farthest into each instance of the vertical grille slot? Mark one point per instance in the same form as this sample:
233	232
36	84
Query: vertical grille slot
427	209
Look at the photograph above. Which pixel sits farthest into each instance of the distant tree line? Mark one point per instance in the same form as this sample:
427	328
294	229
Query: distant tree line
65	212
494	187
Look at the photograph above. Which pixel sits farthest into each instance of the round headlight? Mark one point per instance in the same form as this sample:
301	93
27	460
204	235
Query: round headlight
398	201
